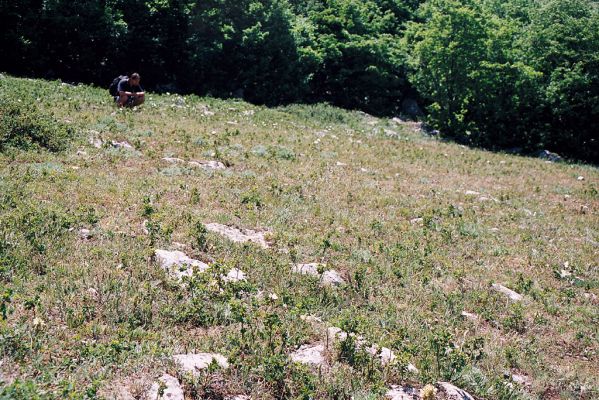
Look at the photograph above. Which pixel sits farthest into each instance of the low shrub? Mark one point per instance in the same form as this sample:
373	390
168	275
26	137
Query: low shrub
25	127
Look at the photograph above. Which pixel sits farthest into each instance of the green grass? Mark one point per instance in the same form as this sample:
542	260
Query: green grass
80	316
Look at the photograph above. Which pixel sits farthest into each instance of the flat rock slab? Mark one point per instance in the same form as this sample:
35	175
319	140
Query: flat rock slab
194	363
177	264
403	393
215	165
453	392
167	388
327	278
309	355
507	292
239	235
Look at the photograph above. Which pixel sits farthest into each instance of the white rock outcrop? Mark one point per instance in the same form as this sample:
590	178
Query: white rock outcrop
310	355
194	363
239	235
327	277
177	264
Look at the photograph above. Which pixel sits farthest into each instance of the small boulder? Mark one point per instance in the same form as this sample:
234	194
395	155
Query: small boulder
122	145
177	264
234	275
513	296
549	156
309	355
167	388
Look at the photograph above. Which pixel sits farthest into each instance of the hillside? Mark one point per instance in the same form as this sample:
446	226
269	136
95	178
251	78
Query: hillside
412	237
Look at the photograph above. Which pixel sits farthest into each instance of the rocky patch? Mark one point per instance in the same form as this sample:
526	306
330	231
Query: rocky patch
239	235
327	277
166	388
195	363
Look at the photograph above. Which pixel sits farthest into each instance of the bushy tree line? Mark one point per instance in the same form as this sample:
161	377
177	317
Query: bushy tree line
493	73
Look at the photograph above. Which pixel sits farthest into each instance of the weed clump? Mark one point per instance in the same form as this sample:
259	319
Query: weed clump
25	127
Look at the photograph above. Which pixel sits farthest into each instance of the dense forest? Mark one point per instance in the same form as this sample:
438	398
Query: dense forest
500	74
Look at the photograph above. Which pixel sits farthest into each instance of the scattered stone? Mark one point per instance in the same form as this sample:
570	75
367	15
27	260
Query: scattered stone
390	133
234	275
169	387
331	278
177	264
398	120
248	113
309	354
122	145
208	113
232	123
453	392
96	142
471	193
239	235
327	277
214	165
85	234
549	156
93	293
81	152
194	363
580	178
415	221
522	380
363	170
403	393
412	369
340	164
470	316
592	297
311	319
508	292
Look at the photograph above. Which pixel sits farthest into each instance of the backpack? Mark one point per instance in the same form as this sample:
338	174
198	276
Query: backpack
113	89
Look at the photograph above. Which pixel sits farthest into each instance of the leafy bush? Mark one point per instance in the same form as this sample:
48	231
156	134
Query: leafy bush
24	126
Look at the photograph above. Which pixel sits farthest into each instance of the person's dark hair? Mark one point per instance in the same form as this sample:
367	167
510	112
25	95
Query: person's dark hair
135	76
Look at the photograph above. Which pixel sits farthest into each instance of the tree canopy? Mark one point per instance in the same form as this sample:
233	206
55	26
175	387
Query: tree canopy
491	73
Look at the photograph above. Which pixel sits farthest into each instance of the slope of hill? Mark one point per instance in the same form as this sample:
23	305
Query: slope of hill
415	242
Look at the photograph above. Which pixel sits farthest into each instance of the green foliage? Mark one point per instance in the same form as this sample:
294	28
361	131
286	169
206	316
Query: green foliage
24	126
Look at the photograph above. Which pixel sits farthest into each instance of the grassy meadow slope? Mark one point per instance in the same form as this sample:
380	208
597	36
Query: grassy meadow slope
419	229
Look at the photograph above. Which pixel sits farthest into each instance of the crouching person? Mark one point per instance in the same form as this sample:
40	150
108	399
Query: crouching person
130	93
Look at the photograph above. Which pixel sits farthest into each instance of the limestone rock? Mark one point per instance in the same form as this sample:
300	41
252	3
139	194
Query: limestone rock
122	145
239	235
549	156
470	316
331	278
234	275
308	269
507	292
85	234
213	165
402	393
177	264
327	278
309	354
453	392
167	388
194	363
